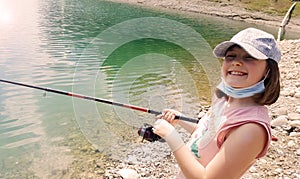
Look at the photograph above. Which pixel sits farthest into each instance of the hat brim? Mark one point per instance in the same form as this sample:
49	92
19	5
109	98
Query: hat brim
221	49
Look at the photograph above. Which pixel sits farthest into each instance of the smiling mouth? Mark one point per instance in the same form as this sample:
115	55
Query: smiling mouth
237	73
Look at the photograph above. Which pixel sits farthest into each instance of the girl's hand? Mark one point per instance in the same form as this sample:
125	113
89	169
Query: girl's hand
168	132
169	115
162	128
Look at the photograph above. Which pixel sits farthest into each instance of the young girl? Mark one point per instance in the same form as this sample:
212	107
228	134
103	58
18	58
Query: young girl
235	132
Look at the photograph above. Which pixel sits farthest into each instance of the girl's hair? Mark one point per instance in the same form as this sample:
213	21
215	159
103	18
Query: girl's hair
272	86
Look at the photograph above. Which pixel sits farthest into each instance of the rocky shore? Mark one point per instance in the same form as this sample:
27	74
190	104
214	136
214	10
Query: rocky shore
154	160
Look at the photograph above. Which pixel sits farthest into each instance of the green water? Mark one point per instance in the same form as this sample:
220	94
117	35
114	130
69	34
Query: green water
97	48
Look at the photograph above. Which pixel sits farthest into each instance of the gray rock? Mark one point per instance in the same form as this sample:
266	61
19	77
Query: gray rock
294	116
279	121
280	111
297	94
295	123
295	134
128	173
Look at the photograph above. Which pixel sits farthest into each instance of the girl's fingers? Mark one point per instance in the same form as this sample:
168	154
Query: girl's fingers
159	116
167	116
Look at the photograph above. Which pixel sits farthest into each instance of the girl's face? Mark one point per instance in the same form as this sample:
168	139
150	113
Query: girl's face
240	70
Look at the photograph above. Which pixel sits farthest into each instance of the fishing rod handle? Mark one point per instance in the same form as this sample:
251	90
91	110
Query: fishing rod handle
183	118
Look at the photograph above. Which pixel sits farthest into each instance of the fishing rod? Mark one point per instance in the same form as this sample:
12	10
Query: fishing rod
100	100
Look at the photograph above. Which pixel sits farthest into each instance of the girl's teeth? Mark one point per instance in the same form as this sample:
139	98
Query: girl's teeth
236	73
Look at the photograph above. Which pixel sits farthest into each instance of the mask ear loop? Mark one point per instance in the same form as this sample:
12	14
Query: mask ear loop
266	76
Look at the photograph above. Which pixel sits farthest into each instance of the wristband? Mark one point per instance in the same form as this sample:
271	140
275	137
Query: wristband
174	140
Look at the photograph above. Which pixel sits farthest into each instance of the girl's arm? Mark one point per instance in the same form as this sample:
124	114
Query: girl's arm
188	126
237	154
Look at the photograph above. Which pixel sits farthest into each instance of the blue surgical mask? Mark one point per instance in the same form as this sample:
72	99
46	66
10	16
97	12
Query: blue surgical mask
242	92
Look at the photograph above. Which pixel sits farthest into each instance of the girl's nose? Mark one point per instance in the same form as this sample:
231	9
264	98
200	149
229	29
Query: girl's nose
237	62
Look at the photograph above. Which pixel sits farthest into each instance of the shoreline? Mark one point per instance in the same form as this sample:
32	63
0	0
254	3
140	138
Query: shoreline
222	9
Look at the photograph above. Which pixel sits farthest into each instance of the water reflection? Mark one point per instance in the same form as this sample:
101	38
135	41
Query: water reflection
17	106
23	125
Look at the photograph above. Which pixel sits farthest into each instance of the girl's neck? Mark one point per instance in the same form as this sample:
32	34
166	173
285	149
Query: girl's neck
242	102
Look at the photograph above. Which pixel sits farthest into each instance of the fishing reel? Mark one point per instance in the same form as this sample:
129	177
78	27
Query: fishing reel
146	131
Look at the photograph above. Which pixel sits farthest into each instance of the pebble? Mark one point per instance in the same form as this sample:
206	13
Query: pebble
252	169
294	116
279	121
294	134
128	174
280	111
296	175
297	94
298	152
295	123
291	144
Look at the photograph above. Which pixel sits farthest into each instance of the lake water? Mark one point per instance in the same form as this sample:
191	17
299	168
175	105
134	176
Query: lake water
96	48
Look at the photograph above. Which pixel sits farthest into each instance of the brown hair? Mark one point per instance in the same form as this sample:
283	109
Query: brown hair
272	86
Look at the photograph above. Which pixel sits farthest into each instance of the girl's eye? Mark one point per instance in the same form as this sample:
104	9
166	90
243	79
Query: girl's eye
233	57
229	57
249	58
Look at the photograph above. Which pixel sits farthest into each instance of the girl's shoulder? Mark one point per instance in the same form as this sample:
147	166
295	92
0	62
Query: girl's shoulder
240	112
248	113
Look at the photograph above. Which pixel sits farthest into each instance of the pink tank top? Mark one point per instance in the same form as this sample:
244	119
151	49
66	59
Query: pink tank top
211	130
